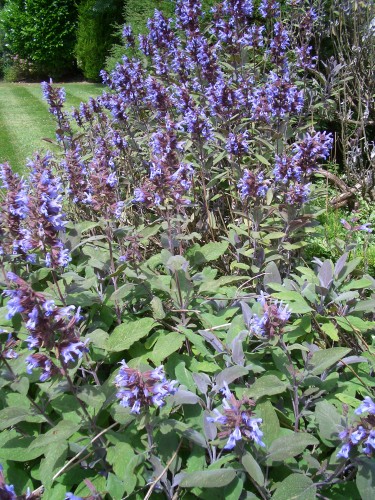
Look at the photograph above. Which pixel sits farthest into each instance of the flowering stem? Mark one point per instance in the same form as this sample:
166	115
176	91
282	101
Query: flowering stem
54	277
74	392
150	437
109	236
295	396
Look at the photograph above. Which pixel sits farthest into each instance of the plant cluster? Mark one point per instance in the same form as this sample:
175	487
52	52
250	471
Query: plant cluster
161	332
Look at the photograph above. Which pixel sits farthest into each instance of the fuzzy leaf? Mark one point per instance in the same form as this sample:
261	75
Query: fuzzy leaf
253	469
323	359
328	420
12	415
165	346
212	251
182	397
289	446
60	433
208	478
267	385
295	487
230	374
124	336
366	478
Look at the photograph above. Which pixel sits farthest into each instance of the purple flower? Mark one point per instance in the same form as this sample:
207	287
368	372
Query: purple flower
356	436
253	37
73	350
269	8
252	185
6	490
279	42
127	34
344	452
370	443
70	496
365	227
47	367
274	318
140	390
237	144
297	194
237	421
304	58
367	406
33	318
311	149
233	438
14	305
187	14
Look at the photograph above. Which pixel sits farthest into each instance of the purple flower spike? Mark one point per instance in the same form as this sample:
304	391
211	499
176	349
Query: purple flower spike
140	390
237	421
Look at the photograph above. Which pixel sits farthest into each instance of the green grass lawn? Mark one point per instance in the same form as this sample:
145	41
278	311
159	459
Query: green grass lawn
25	120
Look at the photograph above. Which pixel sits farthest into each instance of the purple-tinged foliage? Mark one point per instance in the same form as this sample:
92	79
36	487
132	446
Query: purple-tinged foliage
141	390
237	421
352	226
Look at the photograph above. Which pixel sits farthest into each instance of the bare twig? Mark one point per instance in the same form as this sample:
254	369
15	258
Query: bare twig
154	483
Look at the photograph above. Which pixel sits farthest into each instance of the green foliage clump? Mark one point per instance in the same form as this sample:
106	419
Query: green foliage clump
41	32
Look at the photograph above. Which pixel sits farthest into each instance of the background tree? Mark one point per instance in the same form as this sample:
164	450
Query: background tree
41	32
95	34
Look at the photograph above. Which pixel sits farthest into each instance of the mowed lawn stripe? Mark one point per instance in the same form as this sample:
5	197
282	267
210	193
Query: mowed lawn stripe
25	120
80	92
75	92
